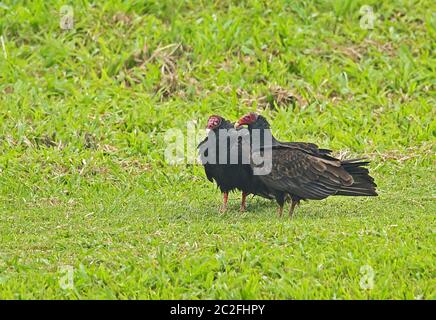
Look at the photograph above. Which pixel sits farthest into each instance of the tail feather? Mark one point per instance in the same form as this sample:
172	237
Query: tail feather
363	184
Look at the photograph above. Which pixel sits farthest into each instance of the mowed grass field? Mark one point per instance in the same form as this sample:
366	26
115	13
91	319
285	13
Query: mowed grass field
86	194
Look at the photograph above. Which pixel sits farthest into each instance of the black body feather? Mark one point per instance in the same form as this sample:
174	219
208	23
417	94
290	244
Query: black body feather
304	171
231	177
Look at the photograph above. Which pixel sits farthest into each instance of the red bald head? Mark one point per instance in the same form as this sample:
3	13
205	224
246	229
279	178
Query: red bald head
214	122
249	118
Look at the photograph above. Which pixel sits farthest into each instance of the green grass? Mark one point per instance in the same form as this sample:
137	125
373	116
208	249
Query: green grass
84	182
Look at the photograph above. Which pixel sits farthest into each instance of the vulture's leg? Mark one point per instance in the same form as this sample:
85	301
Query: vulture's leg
225	199
243	202
280	198
294	203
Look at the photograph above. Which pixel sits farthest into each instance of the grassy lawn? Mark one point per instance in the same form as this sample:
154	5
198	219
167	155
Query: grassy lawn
85	190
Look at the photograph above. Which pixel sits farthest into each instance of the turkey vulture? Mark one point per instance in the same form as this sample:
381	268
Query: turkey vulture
302	171
228	176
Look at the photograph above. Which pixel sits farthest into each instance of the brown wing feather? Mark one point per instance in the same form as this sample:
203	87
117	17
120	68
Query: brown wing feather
305	175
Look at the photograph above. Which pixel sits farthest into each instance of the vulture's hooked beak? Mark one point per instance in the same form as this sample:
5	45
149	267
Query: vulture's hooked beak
237	125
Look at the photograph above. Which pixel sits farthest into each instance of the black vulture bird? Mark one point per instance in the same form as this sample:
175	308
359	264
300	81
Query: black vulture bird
302	171
227	175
